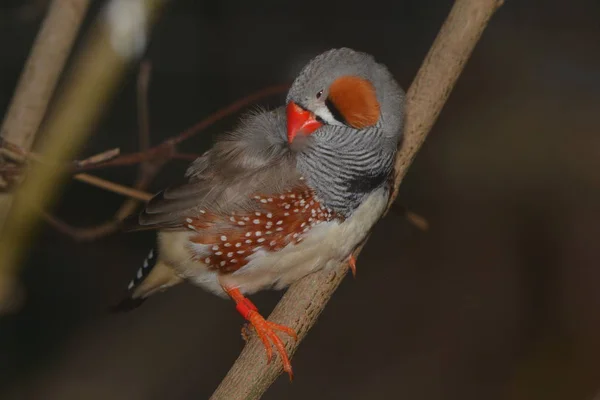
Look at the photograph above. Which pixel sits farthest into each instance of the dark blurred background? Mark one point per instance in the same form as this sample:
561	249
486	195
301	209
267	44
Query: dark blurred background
498	300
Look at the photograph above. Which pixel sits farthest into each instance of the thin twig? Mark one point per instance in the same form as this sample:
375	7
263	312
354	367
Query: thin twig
98	158
143	85
114	187
107	227
147	170
28	106
81	234
251	376
418	221
20	155
167	148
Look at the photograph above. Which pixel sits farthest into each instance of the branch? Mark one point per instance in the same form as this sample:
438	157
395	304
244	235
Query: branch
147	170
132	193
167	148
251	376
110	226
143	84
415	219
146	173
113	42
33	92
42	70
98	158
19	155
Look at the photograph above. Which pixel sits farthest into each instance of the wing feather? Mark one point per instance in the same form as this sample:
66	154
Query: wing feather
253	158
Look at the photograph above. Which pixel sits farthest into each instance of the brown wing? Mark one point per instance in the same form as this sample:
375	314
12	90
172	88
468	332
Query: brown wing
254	158
225	242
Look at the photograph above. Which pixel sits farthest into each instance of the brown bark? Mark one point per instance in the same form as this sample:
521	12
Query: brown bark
36	86
251	376
39	77
42	70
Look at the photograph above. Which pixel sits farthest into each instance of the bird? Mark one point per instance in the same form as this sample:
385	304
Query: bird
287	192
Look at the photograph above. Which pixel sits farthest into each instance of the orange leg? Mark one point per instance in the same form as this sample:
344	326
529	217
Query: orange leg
352	264
264	329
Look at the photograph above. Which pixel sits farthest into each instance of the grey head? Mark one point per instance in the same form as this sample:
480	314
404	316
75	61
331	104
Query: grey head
345	116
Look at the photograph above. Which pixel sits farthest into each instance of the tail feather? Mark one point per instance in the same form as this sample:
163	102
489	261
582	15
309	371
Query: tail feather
151	277
127	304
144	270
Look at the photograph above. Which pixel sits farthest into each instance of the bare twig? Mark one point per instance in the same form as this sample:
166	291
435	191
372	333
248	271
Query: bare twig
146	172
143	85
22	156
135	195
299	308
113	42
40	74
38	79
132	193
415	219
113	224
167	148
82	234
99	158
34	90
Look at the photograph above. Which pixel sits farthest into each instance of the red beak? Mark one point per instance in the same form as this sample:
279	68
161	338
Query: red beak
300	121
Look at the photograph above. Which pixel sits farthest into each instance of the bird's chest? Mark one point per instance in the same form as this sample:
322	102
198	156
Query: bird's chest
270	260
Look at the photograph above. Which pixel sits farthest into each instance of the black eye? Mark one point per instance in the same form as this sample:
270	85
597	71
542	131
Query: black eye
319	94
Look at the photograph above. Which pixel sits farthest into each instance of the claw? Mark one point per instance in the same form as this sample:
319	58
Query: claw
352	264
246	331
265	330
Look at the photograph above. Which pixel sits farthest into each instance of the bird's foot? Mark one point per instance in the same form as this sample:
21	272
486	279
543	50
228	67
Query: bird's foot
266	330
352	264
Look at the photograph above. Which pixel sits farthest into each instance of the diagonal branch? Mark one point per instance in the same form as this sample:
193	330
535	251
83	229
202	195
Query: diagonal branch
251	376
32	96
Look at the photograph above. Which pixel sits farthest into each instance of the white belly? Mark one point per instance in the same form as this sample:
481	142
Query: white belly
328	241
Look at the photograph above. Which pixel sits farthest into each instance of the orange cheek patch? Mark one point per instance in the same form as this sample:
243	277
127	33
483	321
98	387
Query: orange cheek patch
355	100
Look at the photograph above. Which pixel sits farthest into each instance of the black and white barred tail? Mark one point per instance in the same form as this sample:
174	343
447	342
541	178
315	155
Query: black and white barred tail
144	270
129	302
